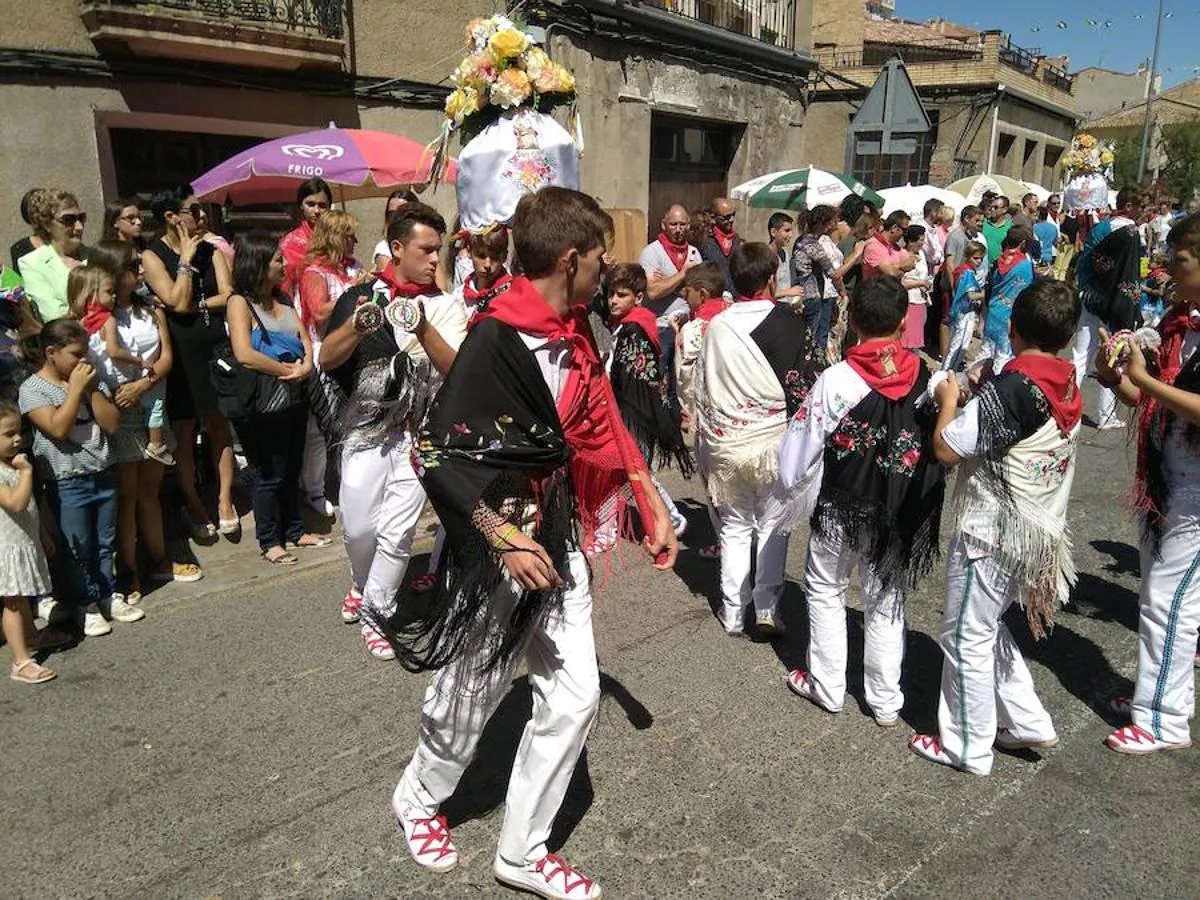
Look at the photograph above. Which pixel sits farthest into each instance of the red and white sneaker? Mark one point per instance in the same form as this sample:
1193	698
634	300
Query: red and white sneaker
429	843
1006	740
351	606
1134	740
552	878
424	584
1121	705
377	644
800	683
929	746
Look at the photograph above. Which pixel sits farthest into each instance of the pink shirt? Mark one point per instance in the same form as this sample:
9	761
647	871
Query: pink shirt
877	252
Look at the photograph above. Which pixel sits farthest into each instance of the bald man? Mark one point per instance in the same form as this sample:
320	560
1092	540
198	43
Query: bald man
665	259
723	240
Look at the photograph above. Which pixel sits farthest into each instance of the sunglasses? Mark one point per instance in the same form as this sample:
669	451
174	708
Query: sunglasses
71	219
728	217
133	218
195	210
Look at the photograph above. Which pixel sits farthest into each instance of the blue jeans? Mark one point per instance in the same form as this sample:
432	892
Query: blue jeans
274	445
818	316
86	509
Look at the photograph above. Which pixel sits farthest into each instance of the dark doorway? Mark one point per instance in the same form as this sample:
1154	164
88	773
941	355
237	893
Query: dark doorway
689	163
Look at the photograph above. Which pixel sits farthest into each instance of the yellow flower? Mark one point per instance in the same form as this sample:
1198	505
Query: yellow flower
508	43
1107	158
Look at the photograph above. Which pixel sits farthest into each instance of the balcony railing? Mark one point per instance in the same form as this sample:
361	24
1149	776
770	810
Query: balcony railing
877	54
770	21
1056	77
316	17
1018	57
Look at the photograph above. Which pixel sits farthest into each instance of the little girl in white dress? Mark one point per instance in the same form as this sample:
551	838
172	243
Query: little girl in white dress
23	570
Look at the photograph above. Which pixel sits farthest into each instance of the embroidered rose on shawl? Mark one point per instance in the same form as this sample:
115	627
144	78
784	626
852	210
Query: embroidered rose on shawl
1052	467
634	356
903	456
854	436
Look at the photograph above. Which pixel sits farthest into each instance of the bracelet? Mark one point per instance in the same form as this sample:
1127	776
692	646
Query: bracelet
501	540
188	268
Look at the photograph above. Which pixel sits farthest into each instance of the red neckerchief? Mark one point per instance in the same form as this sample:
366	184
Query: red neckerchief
603	456
398	288
1056	379
764	294
294	247
644	319
473	295
724	239
710	309
1010	258
677	253
94	317
958	273
886	366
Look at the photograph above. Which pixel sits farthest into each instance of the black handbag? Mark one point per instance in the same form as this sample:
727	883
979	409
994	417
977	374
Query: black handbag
242	392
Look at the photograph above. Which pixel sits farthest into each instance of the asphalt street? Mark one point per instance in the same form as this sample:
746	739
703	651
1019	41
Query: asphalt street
240	743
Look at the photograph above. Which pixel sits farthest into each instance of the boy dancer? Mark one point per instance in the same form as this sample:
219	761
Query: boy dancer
755	367
388	376
489	255
968	294
639	384
1017	439
859	455
1167	492
523	455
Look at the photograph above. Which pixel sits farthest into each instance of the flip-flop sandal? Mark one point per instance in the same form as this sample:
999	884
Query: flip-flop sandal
29	672
184	573
319	542
282	559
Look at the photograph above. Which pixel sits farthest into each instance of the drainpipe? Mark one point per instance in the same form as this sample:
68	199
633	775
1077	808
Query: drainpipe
995	139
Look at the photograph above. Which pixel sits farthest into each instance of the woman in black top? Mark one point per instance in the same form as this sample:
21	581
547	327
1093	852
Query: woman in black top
193	282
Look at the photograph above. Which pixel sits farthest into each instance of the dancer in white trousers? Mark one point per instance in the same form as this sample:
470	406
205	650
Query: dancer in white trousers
1016	440
1167	490
523	454
858	456
755	367
389	375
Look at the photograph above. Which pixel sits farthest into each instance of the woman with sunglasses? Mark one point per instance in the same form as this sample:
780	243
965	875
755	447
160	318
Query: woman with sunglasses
122	222
193	282
59	223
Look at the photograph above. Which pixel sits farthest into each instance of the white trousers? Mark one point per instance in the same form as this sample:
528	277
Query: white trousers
316	453
1083	351
1164	697
960	341
439	543
565	679
826	578
381	501
985	682
757	516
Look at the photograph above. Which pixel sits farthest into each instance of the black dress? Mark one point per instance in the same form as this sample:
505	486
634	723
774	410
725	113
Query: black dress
194	336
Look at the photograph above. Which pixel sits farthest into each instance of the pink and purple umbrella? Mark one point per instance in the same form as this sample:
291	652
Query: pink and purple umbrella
355	162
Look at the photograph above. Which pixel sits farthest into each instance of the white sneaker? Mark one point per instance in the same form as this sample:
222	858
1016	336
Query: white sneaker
768	624
377	644
94	624
45	608
320	506
552	877
123	612
800	683
429	843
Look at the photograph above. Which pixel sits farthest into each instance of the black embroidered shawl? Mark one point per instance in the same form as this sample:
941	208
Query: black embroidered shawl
787	344
640	388
491	449
882	488
1111	286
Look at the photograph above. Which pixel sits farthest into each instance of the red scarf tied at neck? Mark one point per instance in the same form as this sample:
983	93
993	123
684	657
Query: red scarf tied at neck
724	239
1010	258
1056	379
603	456
886	366
677	253
710	309
398	288
473	295
764	294
645	320
94	317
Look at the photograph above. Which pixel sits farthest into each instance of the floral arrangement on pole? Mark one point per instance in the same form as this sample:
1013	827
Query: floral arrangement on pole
504	70
1090	167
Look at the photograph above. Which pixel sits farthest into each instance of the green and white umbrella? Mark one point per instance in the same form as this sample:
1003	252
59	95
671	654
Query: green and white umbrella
802	189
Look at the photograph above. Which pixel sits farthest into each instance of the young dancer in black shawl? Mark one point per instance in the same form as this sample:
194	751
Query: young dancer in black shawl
859	454
639	382
523	455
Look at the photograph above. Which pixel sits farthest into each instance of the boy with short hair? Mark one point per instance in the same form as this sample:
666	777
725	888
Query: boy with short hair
489	273
523	455
639	383
755	367
703	289
1166	390
968	294
1016	439
858	454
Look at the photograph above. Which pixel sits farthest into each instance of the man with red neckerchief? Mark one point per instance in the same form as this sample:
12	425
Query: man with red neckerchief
723	240
857	456
389	376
